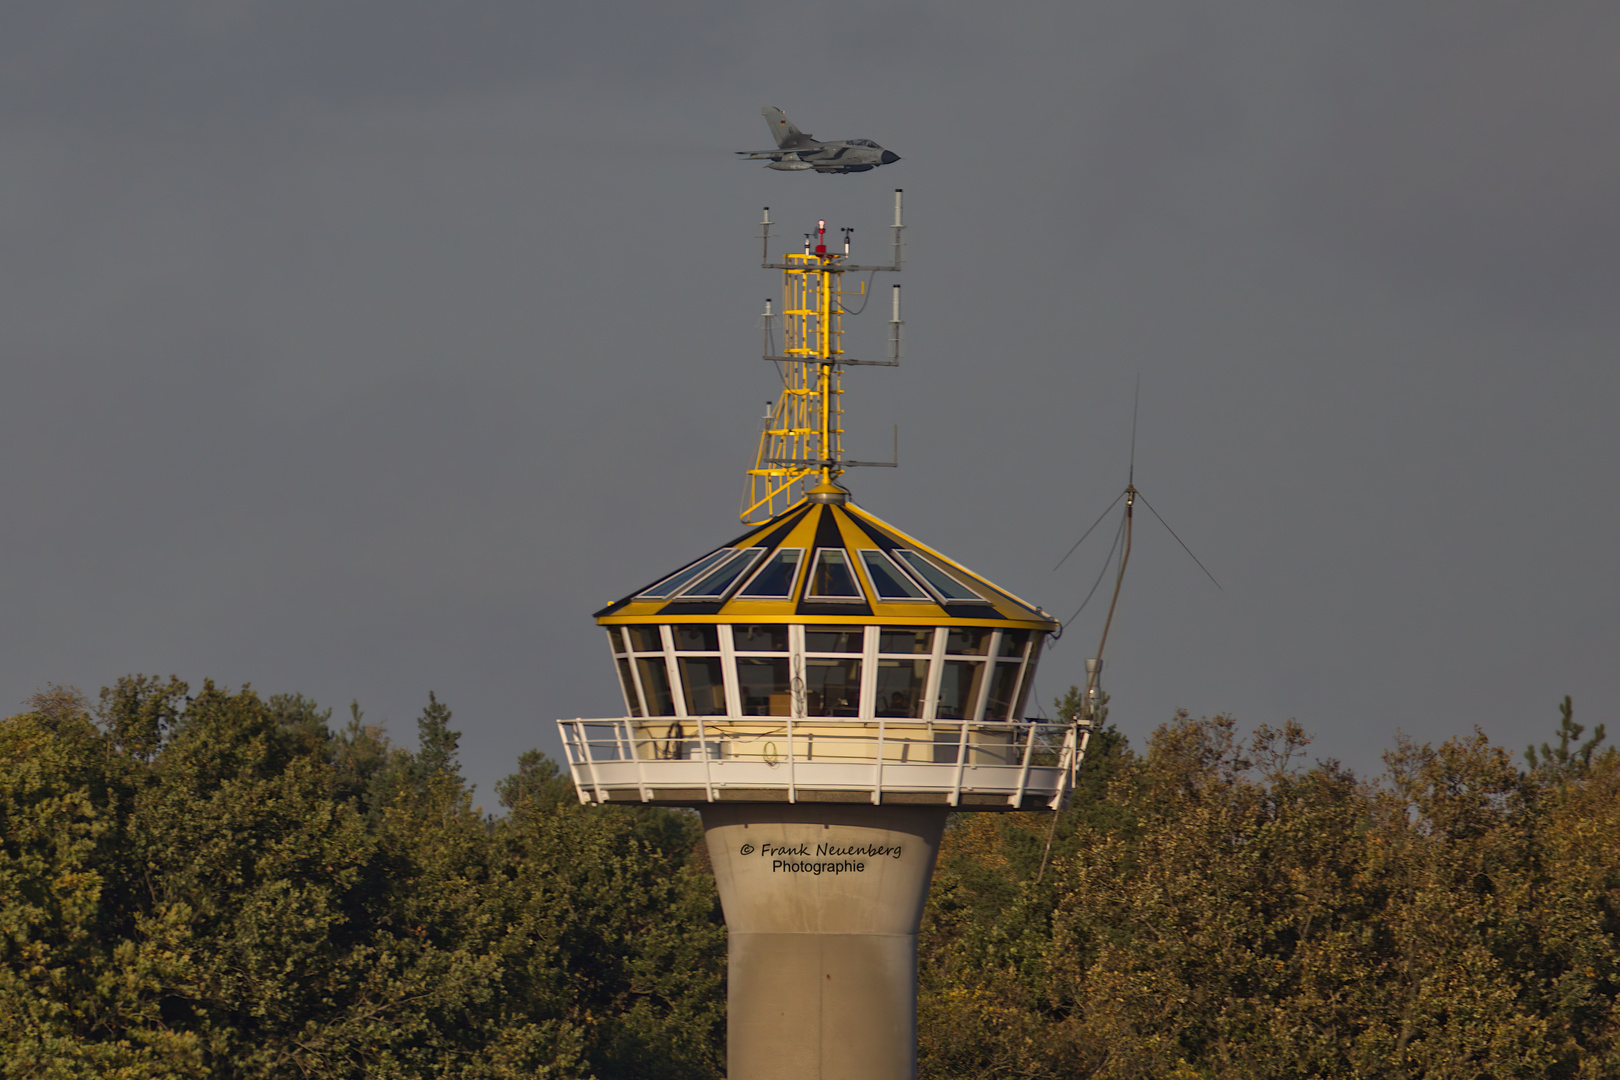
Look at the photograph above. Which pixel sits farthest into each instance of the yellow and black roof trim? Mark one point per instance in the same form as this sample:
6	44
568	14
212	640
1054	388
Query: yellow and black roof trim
826	560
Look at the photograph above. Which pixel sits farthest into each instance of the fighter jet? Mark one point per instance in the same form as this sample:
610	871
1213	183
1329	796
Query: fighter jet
797	152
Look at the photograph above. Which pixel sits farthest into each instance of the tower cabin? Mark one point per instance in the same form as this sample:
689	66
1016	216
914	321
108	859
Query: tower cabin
824	656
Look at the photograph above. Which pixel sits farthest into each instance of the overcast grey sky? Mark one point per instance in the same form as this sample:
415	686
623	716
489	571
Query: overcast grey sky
362	349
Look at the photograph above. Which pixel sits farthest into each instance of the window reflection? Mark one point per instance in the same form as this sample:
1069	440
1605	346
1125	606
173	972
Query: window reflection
718	582
760	638
1002	684
946	585
703	683
887	580
900	685
1012	642
655	684
672	584
764	686
697	638
831	577
832	687
959	689
968	640
776	579
645	639
906	639
827	639
1029	675
631	698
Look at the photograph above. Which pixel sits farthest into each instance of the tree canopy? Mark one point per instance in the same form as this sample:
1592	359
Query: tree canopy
217	884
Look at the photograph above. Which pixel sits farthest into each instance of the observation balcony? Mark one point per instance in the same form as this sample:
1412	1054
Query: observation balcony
693	760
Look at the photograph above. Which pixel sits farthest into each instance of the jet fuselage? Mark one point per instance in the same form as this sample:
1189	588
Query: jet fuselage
797	152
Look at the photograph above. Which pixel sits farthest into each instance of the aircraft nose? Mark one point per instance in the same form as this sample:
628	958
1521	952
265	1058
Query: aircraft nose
890	157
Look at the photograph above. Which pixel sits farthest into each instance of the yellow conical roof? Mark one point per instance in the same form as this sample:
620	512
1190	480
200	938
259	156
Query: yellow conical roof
826	560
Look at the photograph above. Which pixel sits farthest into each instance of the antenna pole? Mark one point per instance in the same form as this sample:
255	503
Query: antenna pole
802	442
1124	557
1094	666
895	325
899	228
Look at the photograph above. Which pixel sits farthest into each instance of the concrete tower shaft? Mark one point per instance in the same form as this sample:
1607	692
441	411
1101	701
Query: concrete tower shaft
822	906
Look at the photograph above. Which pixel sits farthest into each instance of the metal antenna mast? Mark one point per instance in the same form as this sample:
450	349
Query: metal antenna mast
802	442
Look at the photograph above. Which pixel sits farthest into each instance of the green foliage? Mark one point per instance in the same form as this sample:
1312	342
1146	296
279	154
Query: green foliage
1564	762
217	885
221	885
1227	909
437	744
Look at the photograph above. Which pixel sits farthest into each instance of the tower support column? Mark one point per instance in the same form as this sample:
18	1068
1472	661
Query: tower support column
822	904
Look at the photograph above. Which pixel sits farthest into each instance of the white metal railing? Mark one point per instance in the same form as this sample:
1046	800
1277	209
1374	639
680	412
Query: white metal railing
653	755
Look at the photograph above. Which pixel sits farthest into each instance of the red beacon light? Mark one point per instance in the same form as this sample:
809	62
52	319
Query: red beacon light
821	236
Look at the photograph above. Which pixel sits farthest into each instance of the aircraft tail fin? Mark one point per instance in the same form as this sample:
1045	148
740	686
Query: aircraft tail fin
783	129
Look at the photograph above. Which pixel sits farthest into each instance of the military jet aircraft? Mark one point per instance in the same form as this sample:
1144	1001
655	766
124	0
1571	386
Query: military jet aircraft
797	152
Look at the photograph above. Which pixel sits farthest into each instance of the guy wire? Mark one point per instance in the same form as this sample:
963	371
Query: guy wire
1091	679
1101	573
1087	533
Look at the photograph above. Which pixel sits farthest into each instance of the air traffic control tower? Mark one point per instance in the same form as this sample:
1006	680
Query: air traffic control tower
825	689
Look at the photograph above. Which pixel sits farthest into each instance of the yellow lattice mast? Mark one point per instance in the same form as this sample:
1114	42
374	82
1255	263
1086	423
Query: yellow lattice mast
802	443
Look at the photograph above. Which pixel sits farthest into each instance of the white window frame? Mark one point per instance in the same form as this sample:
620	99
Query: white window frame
804	656
917	576
936	673
927	596
728	679
677	693
754	553
657	590
989	675
793	586
853	574
629	659
869	662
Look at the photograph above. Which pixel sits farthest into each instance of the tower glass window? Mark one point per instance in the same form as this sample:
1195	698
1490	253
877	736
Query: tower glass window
889	582
764	685
627	682
1003	682
959	689
900	686
834	639
944	584
645	638
764	681
775	579
703	683
831	577
696	637
672	584
968	640
902	671
772	638
906	640
655	684
715	584
832	686
1013	642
